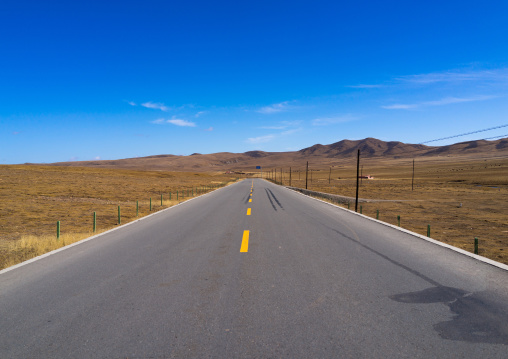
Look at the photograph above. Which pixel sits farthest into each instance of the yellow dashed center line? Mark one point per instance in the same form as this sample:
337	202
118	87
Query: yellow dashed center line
245	242
250	200
248	211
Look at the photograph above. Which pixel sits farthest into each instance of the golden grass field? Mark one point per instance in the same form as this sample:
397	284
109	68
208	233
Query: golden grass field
34	198
460	198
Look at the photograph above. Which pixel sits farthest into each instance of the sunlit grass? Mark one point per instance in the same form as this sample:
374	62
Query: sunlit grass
34	198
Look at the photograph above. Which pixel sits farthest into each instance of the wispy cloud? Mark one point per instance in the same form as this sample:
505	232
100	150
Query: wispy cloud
174	121
290	132
326	121
500	74
156	106
458	76
200	113
180	122
209	129
275	108
97	158
261	139
282	125
15	133
441	102
131	103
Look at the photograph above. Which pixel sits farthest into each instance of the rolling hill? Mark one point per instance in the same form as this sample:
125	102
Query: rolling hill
319	155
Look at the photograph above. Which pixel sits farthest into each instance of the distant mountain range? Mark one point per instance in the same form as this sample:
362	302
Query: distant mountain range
318	155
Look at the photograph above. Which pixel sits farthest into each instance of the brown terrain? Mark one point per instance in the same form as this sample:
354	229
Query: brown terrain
460	190
318	155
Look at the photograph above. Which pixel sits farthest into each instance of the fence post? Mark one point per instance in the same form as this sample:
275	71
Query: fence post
398	220
58	230
360	209
119	217
475	245
161	200
377	214
428	230
94	222
150	204
137	208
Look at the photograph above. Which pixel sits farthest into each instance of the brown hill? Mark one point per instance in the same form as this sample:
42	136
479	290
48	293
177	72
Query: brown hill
319	155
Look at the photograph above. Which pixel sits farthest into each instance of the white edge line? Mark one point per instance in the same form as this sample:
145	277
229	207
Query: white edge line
8	269
445	245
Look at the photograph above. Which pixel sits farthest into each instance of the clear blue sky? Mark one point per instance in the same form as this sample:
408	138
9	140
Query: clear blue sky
82	80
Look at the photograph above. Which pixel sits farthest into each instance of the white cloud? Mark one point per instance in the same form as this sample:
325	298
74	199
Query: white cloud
180	122
200	113
325	121
209	129
156	106
282	125
131	103
277	107
290	132
97	157
174	121
441	102
260	139
500	74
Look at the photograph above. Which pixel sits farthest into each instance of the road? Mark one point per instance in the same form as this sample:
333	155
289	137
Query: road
309	281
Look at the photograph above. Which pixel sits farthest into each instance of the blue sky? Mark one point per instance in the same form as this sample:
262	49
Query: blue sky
82	80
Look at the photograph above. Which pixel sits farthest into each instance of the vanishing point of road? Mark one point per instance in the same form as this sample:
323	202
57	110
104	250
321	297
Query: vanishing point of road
254	270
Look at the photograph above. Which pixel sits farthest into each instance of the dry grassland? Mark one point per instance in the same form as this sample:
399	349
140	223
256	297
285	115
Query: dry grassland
461	200
34	198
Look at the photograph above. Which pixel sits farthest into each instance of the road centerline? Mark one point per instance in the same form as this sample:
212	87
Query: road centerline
245	242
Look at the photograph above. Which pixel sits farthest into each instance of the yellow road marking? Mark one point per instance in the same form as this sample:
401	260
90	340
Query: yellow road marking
248	211
245	242
250	200
251	194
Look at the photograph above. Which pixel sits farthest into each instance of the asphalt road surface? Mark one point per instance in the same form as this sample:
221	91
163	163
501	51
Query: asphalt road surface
295	278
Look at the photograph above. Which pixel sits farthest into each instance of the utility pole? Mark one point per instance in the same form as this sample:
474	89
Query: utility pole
357	175
330	175
306	174
281	177
413	177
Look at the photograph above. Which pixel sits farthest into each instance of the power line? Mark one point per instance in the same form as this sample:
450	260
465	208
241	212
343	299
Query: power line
465	134
493	138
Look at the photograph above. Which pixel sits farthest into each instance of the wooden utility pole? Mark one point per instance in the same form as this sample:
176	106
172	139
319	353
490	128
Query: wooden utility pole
357	178
306	175
289	176
413	177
